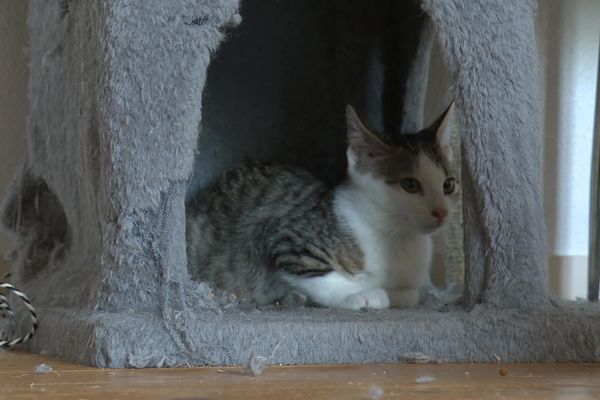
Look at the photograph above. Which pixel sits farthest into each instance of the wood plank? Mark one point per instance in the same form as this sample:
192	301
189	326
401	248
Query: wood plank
447	381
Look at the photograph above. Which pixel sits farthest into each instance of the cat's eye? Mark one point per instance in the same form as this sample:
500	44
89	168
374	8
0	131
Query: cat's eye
410	185
449	185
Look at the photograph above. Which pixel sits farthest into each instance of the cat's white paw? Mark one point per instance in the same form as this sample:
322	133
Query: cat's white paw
373	298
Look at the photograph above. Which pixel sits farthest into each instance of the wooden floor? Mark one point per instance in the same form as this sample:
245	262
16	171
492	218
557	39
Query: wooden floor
491	381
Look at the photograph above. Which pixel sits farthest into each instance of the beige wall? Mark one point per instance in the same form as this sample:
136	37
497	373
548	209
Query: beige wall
567	33
13	95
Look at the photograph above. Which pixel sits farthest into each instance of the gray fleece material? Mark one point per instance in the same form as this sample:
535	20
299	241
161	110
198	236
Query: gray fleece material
98	207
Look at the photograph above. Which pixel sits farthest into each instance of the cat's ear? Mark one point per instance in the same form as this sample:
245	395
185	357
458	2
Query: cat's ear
443	129
362	143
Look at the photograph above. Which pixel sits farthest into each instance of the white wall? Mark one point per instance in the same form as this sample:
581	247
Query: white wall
13	94
568	41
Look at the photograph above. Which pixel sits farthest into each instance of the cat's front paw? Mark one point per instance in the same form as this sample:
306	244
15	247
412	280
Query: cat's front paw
374	298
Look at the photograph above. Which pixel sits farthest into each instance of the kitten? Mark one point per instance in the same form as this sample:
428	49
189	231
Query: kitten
265	230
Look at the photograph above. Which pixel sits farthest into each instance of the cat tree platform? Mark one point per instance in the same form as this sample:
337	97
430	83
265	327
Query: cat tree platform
118	91
567	333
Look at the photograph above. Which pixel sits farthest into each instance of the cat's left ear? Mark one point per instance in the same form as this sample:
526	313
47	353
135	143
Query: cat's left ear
362	143
443	129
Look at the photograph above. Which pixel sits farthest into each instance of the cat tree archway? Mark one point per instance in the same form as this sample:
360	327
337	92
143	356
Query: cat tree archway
98	207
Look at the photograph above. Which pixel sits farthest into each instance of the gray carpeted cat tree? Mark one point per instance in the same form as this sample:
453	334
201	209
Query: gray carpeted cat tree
116	94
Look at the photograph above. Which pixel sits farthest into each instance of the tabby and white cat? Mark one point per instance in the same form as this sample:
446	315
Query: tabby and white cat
264	230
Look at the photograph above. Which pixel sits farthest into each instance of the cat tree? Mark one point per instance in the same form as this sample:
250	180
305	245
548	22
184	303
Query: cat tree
98	208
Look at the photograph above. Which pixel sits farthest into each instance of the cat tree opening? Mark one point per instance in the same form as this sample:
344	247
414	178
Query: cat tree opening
277	87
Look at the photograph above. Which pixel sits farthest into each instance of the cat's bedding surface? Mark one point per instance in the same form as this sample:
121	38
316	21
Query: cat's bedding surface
264	230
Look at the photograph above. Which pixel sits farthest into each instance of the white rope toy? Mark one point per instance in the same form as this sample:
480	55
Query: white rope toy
8	313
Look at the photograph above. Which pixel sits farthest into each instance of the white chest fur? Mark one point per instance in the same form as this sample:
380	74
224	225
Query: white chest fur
396	261
393	258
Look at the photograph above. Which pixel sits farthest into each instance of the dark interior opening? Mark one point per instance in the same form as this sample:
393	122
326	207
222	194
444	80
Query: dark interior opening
37	216
277	88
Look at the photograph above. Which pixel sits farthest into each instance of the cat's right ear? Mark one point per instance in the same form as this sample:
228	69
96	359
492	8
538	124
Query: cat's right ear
362	143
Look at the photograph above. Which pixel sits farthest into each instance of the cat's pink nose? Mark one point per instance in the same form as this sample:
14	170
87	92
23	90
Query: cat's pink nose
440	214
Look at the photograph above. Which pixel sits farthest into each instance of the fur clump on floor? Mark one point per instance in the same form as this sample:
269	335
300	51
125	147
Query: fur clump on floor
376	392
257	364
424	379
42	369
